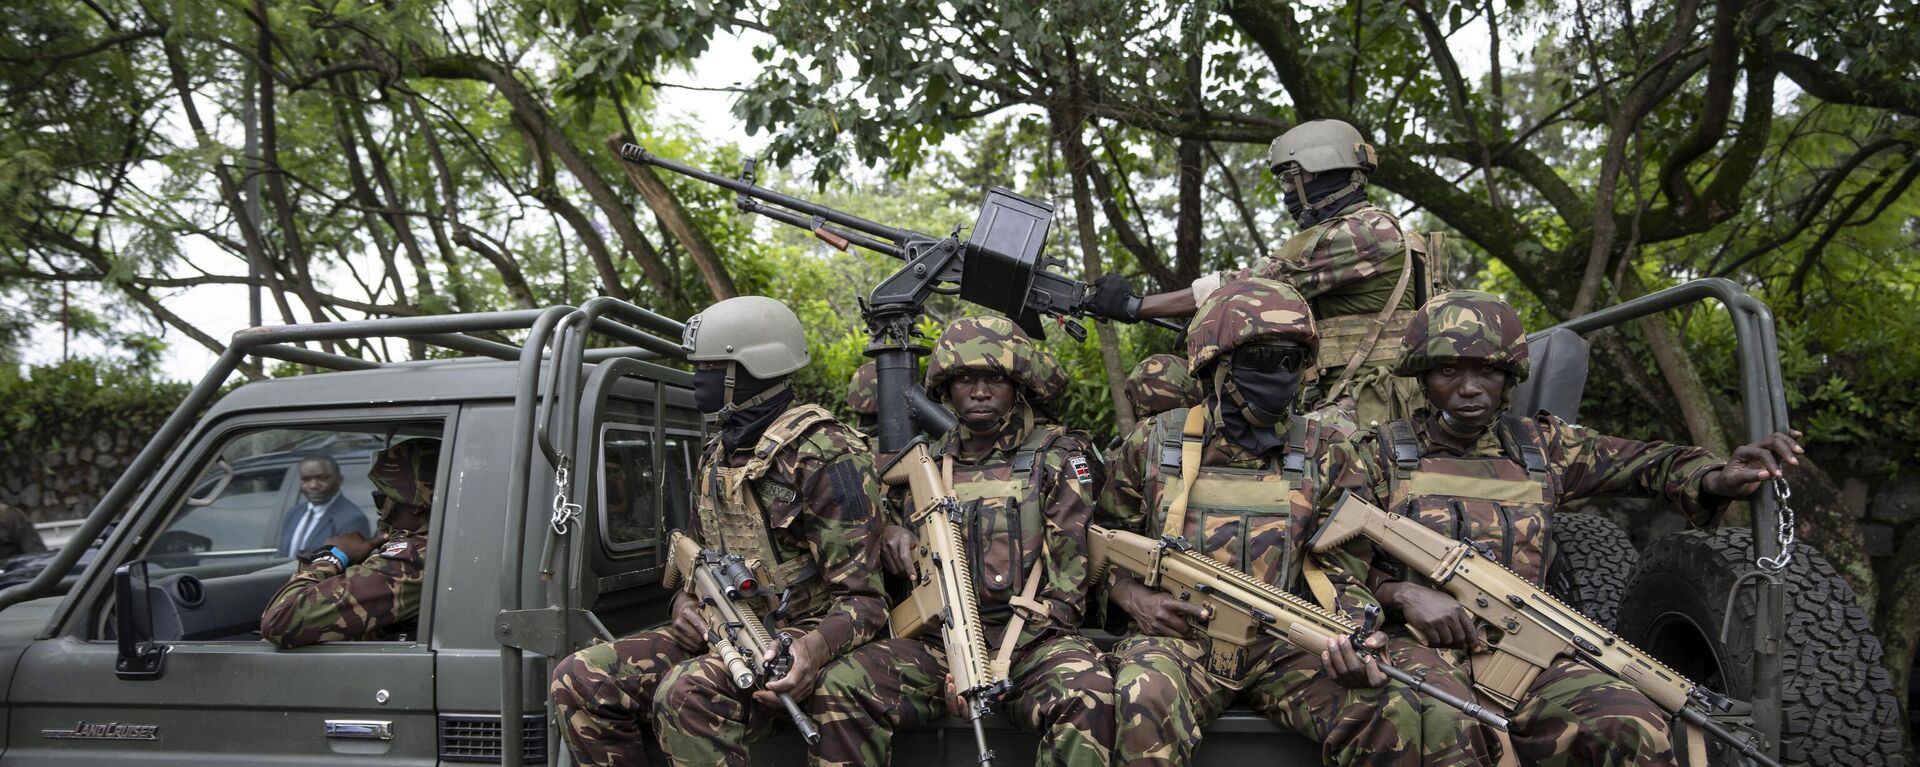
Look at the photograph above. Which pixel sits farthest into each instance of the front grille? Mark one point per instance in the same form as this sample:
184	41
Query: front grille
477	738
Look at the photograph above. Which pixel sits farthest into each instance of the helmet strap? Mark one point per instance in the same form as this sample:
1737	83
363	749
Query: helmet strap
729	407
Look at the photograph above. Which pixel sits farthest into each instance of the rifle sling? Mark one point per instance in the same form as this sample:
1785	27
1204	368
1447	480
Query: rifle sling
1379	323
1002	667
1192	437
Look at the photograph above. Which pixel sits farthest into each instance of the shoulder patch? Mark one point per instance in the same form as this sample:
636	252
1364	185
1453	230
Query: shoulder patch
401	549
1081	471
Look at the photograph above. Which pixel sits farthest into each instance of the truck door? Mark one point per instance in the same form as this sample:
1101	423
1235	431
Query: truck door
215	537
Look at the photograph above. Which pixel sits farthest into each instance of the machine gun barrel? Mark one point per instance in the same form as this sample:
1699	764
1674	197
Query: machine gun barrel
737	634
1241	609
1529	627
635	153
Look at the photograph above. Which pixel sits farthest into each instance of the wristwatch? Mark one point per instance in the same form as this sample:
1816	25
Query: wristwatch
326	552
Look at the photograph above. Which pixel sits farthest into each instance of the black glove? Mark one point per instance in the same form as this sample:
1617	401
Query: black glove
1114	299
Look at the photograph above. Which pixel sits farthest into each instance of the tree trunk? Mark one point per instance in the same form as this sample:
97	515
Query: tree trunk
675	221
276	181
1067	133
1186	233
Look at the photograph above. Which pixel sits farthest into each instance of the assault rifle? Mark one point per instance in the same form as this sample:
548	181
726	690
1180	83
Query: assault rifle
1528	628
1241	609
943	593
747	645
997	266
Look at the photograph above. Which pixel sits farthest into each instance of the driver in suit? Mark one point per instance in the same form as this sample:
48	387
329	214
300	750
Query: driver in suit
322	511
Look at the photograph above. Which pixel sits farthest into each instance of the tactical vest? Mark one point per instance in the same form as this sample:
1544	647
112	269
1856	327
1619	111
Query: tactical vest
1502	504
734	502
1004	501
1252	518
1349	338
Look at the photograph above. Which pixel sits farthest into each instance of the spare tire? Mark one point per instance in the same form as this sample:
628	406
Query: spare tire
1592	563
1837	703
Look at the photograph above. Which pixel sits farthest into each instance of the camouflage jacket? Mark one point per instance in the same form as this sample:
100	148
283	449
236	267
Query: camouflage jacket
1269	544
1012	509
376	599
1347	264
1487	495
818	497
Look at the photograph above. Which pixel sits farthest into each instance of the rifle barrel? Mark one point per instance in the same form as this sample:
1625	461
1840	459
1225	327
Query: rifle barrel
634	153
1468	707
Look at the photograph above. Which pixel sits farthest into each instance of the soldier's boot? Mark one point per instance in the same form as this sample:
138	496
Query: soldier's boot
1063	691
1578	716
1161	700
702	719
867	695
604	693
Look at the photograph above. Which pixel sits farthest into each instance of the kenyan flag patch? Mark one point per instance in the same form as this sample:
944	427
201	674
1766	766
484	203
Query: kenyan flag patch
1080	469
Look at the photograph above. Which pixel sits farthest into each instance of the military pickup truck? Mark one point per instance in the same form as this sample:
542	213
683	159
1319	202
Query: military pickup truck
569	439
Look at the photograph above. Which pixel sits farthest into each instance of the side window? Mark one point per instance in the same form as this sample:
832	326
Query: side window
267	495
634	501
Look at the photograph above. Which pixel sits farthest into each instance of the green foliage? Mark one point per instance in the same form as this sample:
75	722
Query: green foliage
47	406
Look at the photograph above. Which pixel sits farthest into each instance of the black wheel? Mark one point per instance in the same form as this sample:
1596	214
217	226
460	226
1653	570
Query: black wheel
1837	699
1592	563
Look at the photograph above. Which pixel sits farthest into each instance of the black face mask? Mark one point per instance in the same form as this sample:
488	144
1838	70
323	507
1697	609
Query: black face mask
1265	397
710	396
1319	188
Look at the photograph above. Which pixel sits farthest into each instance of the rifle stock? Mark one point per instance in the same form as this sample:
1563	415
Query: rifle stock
943	595
735	631
1528	628
1241	609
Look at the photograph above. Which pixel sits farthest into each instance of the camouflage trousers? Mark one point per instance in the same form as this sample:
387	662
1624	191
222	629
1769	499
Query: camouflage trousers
604	694
1061	690
703	720
1166	694
1575	714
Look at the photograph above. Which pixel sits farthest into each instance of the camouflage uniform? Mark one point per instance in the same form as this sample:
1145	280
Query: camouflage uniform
1256	512
1028	500
863	396
817	497
1158	384
1346	267
1501	493
17	534
379	597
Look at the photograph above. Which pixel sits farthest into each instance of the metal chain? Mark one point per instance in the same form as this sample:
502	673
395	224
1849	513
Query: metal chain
1785	535
564	513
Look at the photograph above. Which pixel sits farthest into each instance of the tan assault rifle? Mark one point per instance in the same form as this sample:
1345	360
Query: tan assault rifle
1241	609
725	588
943	593
1528	628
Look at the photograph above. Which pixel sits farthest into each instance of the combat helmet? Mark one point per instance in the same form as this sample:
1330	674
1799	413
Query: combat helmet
993	345
1160	383
863	391
1243	312
760	334
1316	147
405	471
1464	325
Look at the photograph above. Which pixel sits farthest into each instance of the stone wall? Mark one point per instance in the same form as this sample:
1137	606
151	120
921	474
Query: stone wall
68	431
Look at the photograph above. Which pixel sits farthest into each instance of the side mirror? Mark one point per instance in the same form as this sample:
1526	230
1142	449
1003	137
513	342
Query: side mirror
140	657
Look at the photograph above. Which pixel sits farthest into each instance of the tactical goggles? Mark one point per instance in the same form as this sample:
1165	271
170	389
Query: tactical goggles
1267	358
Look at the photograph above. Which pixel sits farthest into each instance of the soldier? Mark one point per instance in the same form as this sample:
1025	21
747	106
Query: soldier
1249	502
784	486
1029	490
1468	468
863	397
17	533
1359	269
351	588
1158	384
